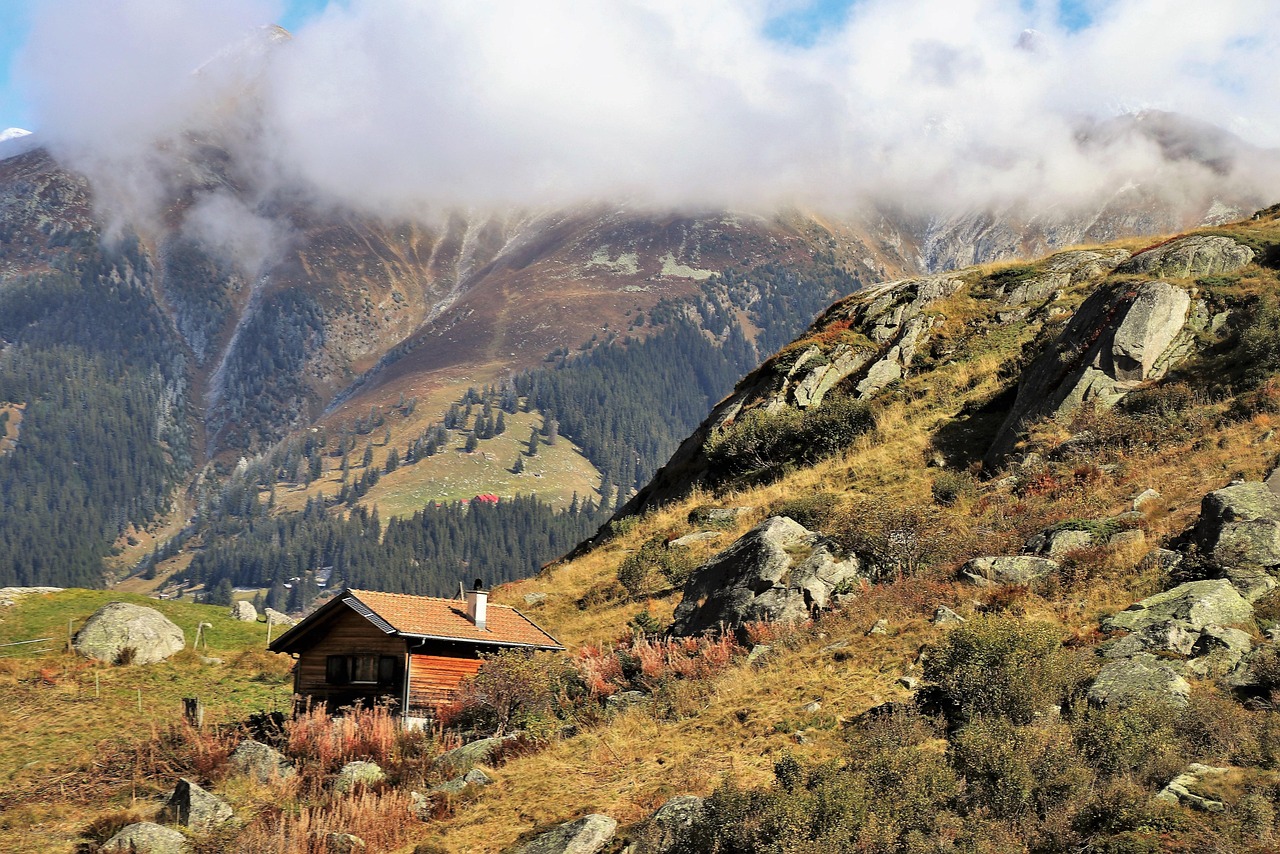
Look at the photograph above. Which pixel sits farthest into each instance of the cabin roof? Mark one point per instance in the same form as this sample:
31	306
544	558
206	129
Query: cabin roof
424	617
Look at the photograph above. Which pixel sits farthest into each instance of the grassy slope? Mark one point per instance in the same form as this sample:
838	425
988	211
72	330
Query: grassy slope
61	712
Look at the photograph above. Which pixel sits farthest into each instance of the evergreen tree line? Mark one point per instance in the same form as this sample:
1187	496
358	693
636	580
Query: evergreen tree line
426	554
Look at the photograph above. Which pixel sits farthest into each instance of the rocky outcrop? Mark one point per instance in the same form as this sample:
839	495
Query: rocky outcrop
474	777
147	838
1008	569
261	762
1179	790
244	612
193	807
277	618
778	570
1193	255
120	626
1118	339
662	832
478	752
10	595
588	835
358	773
1193	605
1239	530
1140	679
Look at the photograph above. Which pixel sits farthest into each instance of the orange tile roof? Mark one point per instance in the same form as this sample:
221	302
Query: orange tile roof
447	618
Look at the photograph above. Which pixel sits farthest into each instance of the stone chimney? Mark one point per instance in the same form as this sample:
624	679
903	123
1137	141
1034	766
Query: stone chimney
477	604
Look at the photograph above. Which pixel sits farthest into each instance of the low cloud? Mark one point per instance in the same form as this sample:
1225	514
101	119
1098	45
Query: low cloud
405	108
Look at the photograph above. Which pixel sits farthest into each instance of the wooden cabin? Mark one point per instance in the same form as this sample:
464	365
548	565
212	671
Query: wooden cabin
412	651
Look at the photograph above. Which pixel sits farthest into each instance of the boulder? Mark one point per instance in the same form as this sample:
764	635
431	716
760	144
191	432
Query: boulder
1008	569
880	627
193	807
1194	255
1195	604
1125	539
474	777
10	595
147	838
587	835
1143	498
1219	651
276	618
358	773
664	829
944	615
1119	338
1179	789
1142	678
123	625
534	600
699	537
343	843
261	762
1062	542
1239	529
624	700
244	612
778	571
478	752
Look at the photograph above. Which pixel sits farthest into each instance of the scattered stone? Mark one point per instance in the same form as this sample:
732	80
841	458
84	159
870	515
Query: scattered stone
464	758
1179	789
1008	569
812	707
533	600
474	777
694	539
343	843
663	831
800	737
881	627
717	515
758	653
1143	677
1127	539
244	612
193	807
909	682
276	618
1062	542
147	838
587	835
1196	604
358	773
832	647
1193	255
10	595
778	571
261	762
1272	482
946	615
119	626
1147	496
624	700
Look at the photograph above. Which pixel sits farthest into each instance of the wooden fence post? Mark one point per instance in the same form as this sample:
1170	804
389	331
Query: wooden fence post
193	711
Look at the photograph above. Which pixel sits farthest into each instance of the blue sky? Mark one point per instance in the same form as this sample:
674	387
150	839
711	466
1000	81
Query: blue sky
802	25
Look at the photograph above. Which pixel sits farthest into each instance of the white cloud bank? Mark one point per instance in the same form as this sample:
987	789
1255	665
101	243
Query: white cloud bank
405	107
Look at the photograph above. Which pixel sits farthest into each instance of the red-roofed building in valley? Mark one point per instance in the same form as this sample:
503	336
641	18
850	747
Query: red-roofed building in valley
486	498
362	646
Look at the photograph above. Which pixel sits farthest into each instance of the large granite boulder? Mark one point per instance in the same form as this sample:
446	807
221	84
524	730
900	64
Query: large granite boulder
478	752
1141	679
358	773
193	807
1193	255
278	618
662	832
244	612
1193	605
261	762
1239	529
587	835
1008	569
778	571
1118	339
147	838
120	626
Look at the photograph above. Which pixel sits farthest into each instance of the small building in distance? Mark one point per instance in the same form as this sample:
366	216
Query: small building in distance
362	647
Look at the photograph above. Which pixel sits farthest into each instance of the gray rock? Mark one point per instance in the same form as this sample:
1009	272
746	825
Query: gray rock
911	683
1218	651
699	537
533	600
1142	678
193	807
1179	789
244	612
343	843
261	762
358	773
1062	542
1239	528
1125	539
1194	255
777	571
479	752
276	618
147	838
880	375
881	627
665	828
624	700
1008	569
759	653
474	777
19	592
1272	482
1143	498
587	835
1195	603
812	707
120	625
945	615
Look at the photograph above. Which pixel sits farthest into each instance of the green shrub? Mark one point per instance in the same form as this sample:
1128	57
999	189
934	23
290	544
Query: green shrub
1018	771
1259	349
1135	740
639	572
951	486
1000	666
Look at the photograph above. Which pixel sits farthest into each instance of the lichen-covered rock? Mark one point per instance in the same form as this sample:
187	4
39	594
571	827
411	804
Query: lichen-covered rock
244	612
778	570
1239	528
1196	604
191	806
478	752
1218	651
664	829
147	838
1008	569
1193	255
358	773
119	626
587	835
277	618
695	538
261	762
1142	678
1180	788
474	777
944	615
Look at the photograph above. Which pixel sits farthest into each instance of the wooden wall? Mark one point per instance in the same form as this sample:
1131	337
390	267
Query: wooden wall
435	671
345	633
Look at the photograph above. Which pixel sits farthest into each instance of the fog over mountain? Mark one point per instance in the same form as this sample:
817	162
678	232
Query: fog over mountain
405	109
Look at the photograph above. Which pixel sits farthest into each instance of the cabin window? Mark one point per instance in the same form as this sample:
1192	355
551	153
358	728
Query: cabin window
362	669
